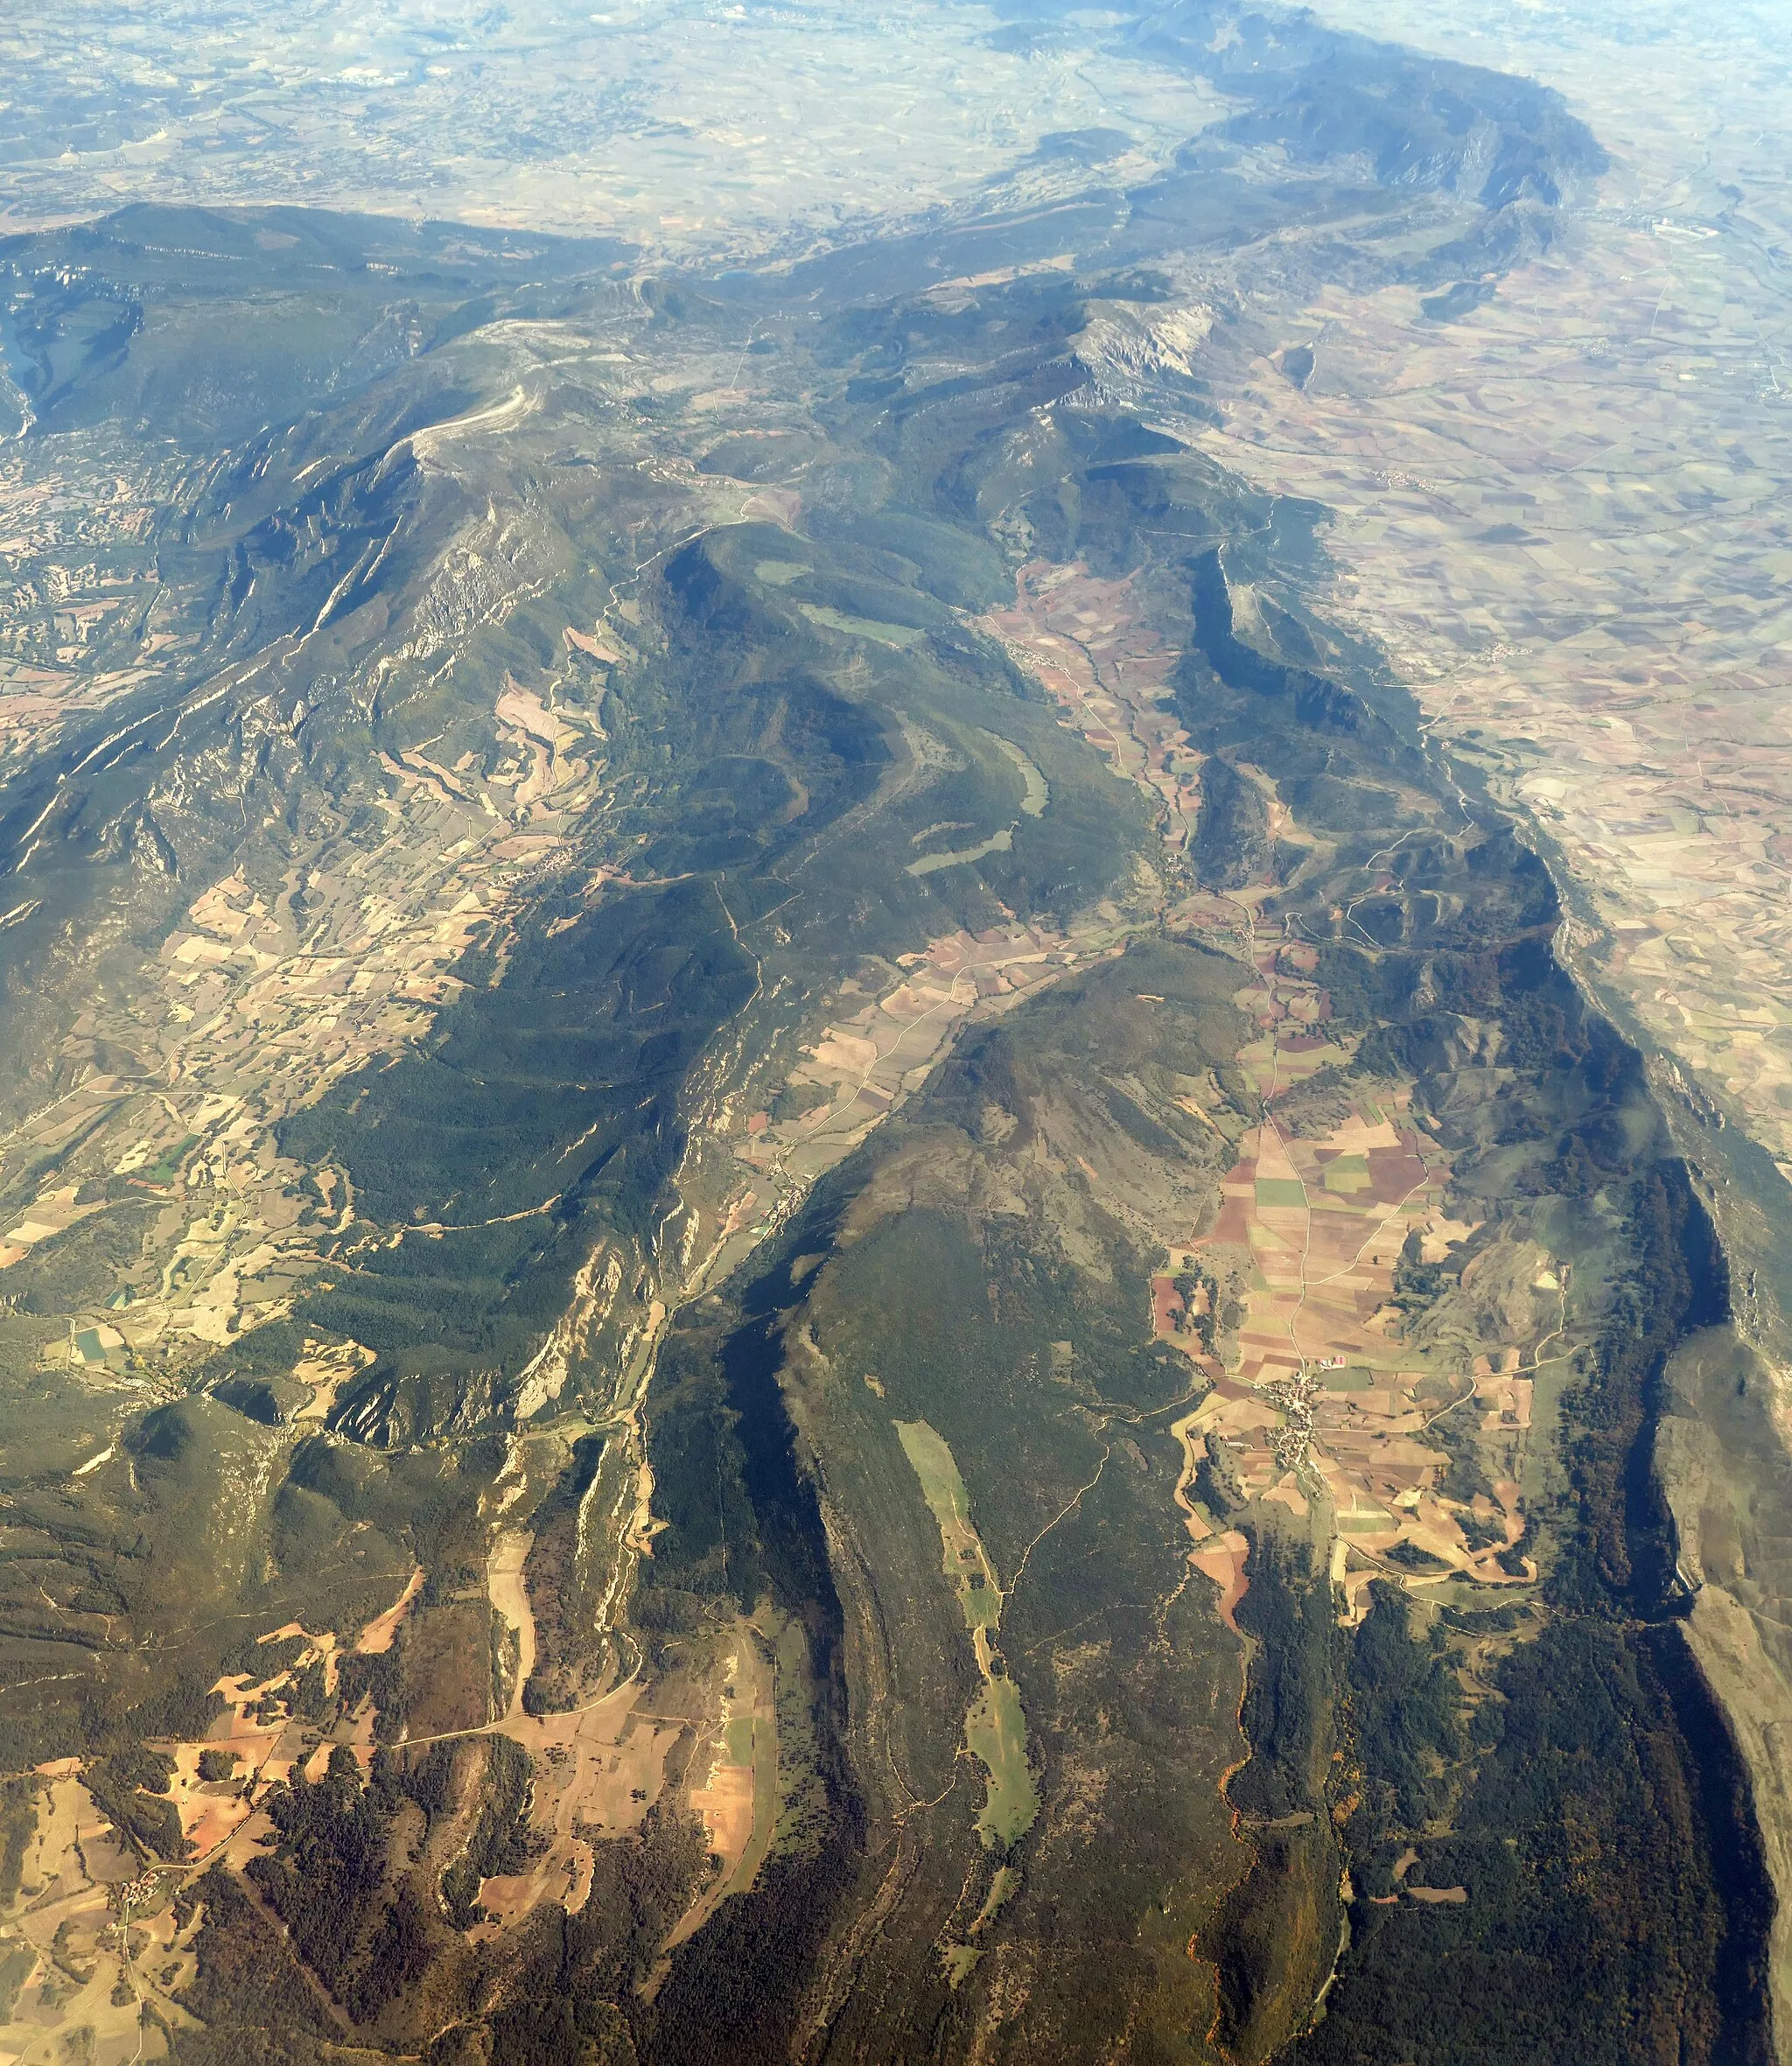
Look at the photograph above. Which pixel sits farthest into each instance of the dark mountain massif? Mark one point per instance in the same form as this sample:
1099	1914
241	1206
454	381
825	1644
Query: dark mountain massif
688	1007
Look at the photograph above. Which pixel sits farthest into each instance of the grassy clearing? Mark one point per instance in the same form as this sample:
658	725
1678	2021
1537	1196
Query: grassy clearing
1038	793
998	842
863	627
994	1727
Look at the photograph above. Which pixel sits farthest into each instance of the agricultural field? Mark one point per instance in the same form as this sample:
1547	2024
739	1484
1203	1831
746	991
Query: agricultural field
1308	1241
1084	640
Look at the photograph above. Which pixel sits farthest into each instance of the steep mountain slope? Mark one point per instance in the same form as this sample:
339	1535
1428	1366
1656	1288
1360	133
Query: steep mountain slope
806	1255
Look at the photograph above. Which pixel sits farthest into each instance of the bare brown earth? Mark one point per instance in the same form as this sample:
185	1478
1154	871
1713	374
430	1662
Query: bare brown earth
860	1067
247	1011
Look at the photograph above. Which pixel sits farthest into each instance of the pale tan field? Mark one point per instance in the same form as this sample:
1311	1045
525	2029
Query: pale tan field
690	131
